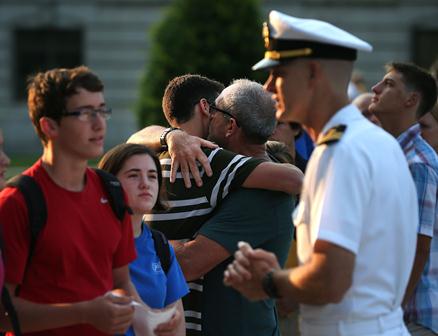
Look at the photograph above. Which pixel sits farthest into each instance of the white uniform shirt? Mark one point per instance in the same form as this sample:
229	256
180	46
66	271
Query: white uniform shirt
358	193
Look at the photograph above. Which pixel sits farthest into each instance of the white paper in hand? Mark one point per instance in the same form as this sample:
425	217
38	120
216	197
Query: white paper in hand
147	319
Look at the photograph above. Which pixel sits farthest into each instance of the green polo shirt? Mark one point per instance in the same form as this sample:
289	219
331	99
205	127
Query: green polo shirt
263	219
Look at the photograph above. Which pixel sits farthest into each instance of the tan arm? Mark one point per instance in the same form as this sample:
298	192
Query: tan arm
199	256
148	136
324	279
107	313
185	151
276	176
122	280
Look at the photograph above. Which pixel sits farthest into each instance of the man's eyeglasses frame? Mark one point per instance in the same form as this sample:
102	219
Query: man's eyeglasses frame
89	114
214	107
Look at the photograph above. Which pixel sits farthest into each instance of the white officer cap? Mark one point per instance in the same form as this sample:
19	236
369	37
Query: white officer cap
287	37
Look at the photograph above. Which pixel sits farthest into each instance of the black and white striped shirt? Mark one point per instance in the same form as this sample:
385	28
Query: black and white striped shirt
190	208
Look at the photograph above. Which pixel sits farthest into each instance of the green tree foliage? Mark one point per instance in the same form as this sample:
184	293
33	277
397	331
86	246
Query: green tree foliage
220	39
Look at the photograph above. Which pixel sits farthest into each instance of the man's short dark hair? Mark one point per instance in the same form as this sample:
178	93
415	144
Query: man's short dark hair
184	92
48	92
417	79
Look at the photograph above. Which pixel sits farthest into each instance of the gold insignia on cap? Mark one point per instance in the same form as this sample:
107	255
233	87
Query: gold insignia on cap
276	55
332	135
265	33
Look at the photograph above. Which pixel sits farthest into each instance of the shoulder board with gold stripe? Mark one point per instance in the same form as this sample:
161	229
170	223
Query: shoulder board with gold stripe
332	135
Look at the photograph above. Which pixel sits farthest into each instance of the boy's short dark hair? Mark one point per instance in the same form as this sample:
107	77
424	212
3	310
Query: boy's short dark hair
48	92
417	79
184	92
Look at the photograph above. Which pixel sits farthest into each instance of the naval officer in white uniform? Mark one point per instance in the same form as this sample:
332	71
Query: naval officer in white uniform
357	219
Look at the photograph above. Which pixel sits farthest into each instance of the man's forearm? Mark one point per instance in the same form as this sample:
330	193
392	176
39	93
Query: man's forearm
185	257
131	290
303	286
111	314
276	176
199	256
324	279
148	136
36	317
122	280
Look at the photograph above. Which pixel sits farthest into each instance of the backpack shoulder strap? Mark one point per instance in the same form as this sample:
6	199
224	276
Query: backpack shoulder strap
115	193
36	207
10	309
162	248
37	216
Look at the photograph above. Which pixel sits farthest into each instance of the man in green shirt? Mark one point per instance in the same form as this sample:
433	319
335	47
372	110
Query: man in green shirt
242	119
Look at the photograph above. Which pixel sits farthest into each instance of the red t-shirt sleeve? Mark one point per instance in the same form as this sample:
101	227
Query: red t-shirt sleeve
15	234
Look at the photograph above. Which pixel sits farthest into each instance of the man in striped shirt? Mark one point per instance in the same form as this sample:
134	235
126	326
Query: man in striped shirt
187	105
404	95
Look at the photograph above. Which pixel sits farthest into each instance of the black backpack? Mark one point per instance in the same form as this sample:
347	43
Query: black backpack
37	214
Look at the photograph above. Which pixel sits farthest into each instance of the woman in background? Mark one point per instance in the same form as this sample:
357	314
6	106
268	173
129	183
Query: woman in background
139	172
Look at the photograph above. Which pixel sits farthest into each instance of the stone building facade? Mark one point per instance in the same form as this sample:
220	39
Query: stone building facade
111	37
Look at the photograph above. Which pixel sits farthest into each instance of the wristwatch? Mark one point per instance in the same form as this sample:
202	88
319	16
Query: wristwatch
163	141
269	286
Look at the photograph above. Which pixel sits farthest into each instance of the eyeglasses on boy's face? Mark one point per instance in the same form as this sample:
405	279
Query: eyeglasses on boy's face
89	113
214	107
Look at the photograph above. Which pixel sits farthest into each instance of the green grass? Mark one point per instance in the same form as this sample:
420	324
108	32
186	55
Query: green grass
15	170
19	163
23	160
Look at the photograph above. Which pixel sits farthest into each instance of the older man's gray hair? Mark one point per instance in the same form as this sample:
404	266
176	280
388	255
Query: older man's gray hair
253	107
